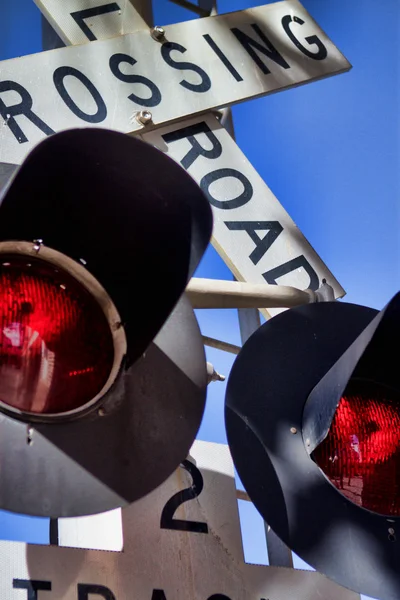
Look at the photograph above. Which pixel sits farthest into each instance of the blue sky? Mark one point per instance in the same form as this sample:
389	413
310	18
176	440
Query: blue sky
330	153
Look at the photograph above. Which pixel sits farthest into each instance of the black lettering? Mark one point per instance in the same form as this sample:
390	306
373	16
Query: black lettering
240	200
158	595
84	589
24	107
167	516
32	586
155	97
205	84
287	267
268	49
262	244
218	597
196	150
223	58
311	39
80	15
58	77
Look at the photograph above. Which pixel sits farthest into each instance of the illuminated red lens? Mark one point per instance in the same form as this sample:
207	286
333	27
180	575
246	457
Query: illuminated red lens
56	347
361	453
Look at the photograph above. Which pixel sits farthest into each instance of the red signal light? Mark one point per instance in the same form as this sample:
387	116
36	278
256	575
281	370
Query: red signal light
361	453
56	345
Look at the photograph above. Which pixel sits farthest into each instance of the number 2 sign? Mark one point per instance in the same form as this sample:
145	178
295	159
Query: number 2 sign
181	542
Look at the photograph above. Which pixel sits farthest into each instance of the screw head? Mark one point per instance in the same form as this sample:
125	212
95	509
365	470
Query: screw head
144	117
157	33
293	430
37	245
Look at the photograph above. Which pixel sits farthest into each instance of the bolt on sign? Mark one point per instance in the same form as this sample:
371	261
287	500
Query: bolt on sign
181	541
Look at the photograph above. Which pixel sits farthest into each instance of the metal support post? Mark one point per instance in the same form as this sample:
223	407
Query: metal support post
204	8
50	38
218	293
54	539
279	555
220	345
6	172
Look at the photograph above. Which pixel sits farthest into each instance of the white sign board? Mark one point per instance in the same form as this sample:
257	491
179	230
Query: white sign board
202	64
252	231
80	21
181	542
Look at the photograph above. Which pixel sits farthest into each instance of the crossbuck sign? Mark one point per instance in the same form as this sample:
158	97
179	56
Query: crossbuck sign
195	67
201	65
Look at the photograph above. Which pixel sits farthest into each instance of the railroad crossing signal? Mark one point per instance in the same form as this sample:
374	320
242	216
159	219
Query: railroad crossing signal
313	422
96	412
